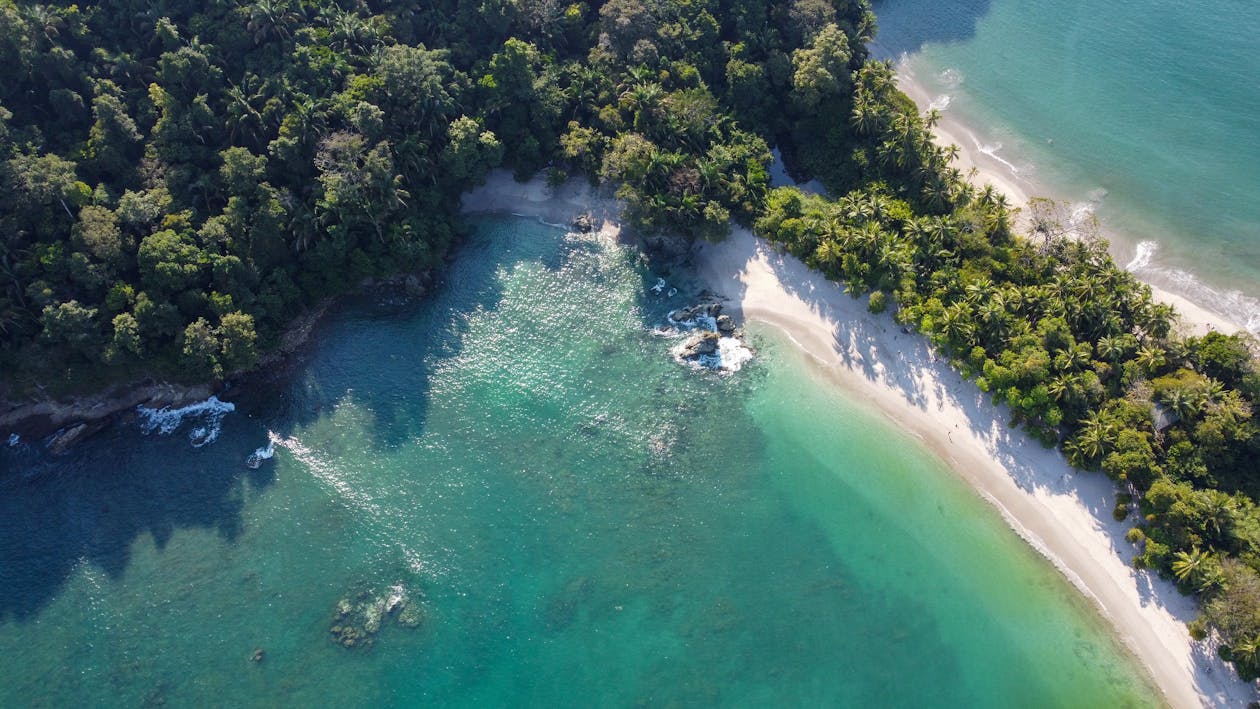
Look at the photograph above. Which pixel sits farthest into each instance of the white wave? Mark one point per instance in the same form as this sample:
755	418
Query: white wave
1234	305
659	287
672	292
731	355
1142	259
14	439
940	103
165	421
991	150
266	452
695	322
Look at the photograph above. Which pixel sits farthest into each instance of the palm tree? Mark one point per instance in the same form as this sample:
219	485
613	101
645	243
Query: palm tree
1245	653
865	116
1096	437
1150	358
1187	564
271	18
1217	510
1184	400
244	121
957	325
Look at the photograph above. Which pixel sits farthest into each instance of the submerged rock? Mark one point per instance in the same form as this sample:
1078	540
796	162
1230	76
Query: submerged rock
356	620
258	655
411	616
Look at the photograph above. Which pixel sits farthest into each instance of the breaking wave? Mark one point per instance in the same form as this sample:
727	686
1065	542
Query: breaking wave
166	420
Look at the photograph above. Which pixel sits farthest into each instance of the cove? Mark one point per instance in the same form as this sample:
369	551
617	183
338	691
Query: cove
568	515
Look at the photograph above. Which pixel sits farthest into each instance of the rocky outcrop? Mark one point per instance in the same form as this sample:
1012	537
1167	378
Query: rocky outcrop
699	345
703	310
357	620
72	419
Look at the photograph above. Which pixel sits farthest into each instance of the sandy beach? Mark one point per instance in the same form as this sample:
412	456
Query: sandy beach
1065	515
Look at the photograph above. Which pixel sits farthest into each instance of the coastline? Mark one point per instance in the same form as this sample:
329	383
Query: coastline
1064	515
982	168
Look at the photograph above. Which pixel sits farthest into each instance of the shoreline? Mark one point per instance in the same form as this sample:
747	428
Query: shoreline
1064	515
1197	319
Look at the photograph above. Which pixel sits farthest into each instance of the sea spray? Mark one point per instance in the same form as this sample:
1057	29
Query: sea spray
14	439
255	459
730	353
166	420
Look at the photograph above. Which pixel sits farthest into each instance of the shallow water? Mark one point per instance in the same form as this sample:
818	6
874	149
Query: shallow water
1146	108
575	517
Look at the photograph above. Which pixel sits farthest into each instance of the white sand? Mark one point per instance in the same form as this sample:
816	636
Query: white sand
1064	514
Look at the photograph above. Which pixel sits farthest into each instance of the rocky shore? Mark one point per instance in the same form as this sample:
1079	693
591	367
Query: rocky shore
63	422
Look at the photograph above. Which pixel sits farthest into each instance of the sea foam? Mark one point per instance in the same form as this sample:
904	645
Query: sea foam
255	459
1233	304
208	413
731	354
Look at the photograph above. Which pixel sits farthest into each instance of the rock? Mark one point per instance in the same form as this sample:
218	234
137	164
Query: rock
258	655
413	286
705	343
583	223
348	636
411	616
681	315
62	440
725	324
713	309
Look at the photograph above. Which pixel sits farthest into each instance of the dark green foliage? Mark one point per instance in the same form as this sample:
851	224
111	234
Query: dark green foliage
176	184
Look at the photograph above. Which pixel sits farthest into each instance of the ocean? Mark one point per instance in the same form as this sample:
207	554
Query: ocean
1145	111
511	494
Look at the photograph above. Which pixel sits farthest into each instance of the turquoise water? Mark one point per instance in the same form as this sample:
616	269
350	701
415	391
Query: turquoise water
566	516
1149	108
